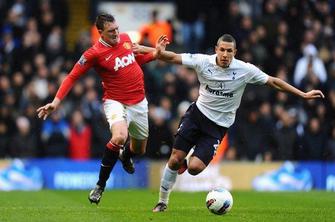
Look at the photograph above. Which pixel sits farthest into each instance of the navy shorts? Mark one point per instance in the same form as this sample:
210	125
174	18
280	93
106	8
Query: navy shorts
195	129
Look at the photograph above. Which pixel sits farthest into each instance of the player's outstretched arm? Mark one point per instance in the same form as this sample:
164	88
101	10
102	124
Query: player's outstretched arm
141	49
284	86
79	69
161	44
160	53
167	56
44	111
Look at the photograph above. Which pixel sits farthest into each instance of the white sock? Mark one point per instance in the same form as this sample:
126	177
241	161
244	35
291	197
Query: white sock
167	182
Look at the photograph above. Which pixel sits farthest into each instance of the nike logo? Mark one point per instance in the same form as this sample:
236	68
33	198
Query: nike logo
166	189
107	58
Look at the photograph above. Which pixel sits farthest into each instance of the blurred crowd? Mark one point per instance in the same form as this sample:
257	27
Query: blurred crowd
292	40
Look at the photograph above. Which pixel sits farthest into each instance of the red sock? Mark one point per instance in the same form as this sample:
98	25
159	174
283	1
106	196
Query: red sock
112	146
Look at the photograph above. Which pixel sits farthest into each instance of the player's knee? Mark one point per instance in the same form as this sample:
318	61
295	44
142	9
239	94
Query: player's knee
194	169
119	139
175	162
138	148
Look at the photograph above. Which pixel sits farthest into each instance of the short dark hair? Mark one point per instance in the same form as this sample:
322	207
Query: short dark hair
102	19
226	38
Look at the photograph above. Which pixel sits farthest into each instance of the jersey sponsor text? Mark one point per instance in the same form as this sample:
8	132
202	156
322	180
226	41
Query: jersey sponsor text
219	92
124	61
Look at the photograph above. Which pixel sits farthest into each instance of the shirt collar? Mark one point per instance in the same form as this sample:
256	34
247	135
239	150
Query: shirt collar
212	59
104	42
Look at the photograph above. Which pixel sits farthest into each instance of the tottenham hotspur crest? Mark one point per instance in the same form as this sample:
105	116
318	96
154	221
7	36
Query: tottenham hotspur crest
234	74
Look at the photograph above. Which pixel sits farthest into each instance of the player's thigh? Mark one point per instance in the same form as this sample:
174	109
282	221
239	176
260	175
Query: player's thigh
116	116
119	132
137	116
196	165
206	148
188	132
182	144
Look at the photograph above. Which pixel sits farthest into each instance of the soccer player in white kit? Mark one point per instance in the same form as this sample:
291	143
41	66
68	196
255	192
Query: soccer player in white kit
223	79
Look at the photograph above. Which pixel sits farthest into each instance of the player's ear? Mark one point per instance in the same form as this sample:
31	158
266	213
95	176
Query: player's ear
100	31
235	50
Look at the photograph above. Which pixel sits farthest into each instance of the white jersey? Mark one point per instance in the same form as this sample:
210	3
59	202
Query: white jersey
221	89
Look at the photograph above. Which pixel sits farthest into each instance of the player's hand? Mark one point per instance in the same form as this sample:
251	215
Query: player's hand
44	111
313	94
161	44
137	48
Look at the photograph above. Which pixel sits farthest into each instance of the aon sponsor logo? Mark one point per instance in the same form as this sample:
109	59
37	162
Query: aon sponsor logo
124	61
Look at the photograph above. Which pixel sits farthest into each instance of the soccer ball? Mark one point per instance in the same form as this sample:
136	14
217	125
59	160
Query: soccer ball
219	201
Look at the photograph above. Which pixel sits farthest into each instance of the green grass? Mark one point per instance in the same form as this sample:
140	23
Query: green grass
136	205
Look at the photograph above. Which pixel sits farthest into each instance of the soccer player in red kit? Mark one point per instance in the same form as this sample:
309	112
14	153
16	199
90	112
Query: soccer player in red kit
125	105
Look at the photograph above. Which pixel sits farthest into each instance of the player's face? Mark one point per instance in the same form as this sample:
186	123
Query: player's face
225	51
110	34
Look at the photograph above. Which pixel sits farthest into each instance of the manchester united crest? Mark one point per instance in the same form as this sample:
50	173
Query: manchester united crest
127	45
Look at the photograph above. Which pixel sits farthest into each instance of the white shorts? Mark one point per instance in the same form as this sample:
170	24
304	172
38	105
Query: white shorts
136	117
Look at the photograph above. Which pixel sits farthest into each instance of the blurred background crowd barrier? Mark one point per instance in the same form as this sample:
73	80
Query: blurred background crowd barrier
40	41
67	174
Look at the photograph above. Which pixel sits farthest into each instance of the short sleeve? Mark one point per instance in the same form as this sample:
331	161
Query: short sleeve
193	60
256	76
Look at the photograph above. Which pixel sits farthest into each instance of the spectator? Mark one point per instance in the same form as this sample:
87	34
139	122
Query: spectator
251	130
23	144
310	68
286	136
313	141
192	25
80	137
55	44
55	135
330	148
7	129
160	138
152	31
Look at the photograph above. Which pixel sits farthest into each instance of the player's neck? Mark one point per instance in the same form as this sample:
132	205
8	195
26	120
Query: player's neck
106	42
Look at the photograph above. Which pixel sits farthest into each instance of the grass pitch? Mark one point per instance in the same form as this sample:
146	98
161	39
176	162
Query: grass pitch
136	205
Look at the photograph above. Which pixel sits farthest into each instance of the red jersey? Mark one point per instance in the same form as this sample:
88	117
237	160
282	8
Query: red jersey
118	67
